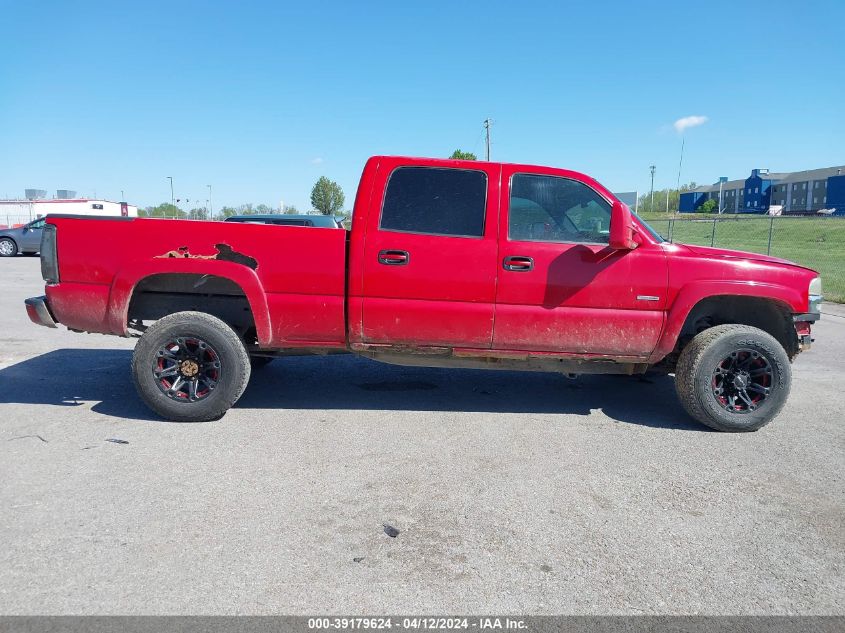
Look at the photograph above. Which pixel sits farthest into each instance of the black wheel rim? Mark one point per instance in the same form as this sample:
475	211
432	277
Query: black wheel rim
187	369
742	381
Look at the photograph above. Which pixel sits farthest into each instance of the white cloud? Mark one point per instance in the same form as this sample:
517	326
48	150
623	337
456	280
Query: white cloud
317	161
689	121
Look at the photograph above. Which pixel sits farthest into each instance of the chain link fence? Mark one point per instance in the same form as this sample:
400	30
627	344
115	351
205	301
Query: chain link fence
816	242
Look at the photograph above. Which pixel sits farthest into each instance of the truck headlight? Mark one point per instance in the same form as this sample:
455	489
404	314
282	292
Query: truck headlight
815	292
49	256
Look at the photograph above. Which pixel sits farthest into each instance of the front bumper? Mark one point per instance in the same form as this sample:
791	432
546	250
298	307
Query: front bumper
39	311
803	329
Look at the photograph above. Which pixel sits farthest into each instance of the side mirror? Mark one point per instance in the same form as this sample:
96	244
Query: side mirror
621	227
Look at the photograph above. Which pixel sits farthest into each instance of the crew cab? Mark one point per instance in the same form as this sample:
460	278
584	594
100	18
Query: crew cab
448	263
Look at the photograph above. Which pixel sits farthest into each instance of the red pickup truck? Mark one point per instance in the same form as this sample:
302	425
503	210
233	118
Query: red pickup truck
448	263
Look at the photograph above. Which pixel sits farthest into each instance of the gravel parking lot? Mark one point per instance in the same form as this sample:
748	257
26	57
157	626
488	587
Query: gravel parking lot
512	492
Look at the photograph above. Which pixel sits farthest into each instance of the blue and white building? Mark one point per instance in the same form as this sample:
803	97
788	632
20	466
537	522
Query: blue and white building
798	192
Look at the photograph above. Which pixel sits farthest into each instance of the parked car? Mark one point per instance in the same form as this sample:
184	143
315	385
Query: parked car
448	264
25	239
283	219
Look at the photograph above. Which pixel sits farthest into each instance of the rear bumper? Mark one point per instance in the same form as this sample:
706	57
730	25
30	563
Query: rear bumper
39	312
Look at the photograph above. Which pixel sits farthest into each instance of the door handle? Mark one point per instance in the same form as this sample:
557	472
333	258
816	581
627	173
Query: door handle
394	258
518	263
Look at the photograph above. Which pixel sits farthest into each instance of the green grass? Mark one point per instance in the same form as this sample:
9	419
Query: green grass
816	242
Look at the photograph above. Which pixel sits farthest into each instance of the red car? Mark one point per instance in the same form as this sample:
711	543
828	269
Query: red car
448	263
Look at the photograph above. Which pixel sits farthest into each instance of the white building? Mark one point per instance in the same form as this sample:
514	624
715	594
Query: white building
17	212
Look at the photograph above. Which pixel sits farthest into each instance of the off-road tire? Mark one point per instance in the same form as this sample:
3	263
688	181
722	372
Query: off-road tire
8	252
694	377
233	360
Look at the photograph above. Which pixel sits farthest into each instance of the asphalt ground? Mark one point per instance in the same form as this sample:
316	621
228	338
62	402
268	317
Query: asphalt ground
513	493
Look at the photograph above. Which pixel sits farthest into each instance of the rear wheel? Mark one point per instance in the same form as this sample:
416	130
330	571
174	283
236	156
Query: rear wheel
8	248
190	367
733	378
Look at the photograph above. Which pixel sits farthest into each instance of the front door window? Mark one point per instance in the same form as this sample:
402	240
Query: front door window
555	209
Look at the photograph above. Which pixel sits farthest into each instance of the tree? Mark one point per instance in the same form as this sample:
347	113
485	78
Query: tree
198	213
164	210
327	196
289	209
459	154
709	206
644	205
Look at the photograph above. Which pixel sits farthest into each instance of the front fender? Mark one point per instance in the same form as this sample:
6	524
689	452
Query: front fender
693	293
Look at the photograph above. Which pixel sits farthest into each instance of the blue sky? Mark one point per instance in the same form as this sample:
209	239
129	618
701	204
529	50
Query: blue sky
259	99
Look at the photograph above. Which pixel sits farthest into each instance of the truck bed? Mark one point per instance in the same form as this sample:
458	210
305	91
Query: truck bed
294	277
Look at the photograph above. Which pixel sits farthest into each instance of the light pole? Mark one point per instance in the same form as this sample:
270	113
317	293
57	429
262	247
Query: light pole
172	197
487	124
652	168
680	164
210	204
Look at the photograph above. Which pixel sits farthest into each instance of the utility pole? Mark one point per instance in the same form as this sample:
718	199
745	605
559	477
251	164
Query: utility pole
122	197
680	163
210	204
652	168
487	124
172	197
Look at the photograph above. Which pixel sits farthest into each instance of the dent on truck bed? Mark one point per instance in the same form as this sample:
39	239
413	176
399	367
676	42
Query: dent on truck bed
224	253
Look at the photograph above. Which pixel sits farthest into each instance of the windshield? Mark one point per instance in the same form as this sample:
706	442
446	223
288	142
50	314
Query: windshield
645	225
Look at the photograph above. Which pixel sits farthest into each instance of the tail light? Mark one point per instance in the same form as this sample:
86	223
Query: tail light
49	255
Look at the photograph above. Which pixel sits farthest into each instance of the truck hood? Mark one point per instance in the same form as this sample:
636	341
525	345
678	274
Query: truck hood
707	251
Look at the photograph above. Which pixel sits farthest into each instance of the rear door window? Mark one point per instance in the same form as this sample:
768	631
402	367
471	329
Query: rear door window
435	201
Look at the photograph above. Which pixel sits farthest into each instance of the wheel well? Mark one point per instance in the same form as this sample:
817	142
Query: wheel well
768	315
157	296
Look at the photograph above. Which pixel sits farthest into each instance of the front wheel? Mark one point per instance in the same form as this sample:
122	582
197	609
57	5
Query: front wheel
190	367
733	378
8	248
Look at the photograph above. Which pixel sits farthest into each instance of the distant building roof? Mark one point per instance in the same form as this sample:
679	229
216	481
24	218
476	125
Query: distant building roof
813	174
731	184
57	201
781	177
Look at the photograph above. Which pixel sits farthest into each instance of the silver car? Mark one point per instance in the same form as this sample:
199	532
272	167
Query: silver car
25	239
